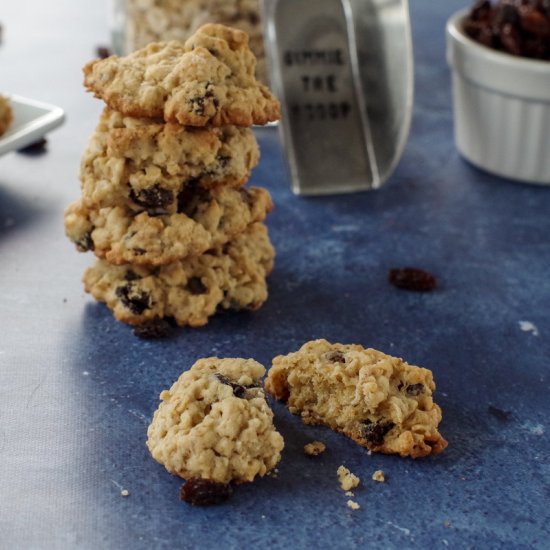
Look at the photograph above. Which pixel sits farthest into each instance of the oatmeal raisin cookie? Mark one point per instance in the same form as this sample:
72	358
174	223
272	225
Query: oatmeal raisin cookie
381	402
214	423
209	80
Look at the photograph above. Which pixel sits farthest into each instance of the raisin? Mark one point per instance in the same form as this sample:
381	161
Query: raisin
335	356
481	10
190	197
154	199
534	21
518	27
254	18
196	286
238	389
136	300
203	492
131	276
246	197
85	243
35	148
499	414
506	14
156	328
198	102
511	40
103	52
374	432
223	160
414	389
412	278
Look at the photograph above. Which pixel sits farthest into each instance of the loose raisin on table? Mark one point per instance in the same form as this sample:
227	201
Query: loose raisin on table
412	278
156	328
203	492
374	432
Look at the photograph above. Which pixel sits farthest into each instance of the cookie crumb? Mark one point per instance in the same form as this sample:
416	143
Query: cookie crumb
379	476
353	505
527	326
349	494
347	480
124	493
314	448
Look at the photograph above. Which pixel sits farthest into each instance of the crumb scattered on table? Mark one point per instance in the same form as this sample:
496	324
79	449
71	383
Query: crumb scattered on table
353	505
347	480
314	448
527	326
125	493
349	494
379	476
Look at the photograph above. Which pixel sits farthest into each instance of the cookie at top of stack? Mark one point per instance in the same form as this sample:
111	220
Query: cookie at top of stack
209	80
163	204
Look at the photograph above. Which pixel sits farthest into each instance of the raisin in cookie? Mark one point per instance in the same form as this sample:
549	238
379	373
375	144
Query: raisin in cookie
204	220
232	276
379	401
209	80
145	164
214	423
6	114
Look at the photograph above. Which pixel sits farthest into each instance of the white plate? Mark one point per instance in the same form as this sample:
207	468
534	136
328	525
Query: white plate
31	121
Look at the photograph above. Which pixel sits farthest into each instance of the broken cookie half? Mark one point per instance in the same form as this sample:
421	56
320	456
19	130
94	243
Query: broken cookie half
380	401
215	425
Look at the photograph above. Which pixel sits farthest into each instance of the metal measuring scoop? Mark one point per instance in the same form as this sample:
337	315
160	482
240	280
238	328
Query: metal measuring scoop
343	71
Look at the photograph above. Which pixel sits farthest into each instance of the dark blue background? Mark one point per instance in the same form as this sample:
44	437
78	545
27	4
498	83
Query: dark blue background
77	389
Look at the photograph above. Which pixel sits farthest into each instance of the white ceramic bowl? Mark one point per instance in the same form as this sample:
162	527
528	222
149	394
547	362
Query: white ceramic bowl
501	107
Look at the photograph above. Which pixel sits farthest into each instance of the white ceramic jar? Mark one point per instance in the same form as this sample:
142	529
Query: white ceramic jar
501	107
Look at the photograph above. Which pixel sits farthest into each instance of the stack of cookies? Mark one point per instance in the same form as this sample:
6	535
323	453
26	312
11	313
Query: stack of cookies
163	204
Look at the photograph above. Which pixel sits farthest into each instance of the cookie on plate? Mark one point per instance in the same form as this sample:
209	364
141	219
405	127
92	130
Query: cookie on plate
208	80
205	219
214	423
380	401
232	276
147	164
6	114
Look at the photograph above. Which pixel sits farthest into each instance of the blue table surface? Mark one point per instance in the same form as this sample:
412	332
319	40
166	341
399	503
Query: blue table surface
77	388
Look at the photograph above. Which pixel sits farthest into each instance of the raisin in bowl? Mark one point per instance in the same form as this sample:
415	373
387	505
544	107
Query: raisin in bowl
501	104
